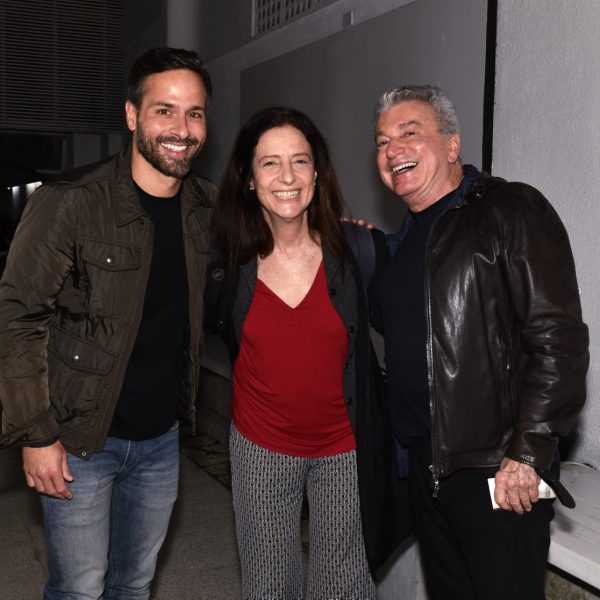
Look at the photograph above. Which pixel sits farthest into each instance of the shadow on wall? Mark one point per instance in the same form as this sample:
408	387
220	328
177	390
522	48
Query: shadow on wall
381	201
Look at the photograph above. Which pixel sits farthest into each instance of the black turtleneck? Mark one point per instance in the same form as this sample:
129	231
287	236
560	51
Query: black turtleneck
400	307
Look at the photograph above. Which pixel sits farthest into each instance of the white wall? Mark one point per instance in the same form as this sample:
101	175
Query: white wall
547	133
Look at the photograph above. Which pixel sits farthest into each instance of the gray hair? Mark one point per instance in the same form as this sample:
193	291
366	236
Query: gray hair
434	96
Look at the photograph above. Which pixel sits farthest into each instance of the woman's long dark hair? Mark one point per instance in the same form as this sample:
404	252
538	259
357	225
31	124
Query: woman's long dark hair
239	230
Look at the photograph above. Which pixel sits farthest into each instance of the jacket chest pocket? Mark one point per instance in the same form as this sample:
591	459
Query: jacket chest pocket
109	271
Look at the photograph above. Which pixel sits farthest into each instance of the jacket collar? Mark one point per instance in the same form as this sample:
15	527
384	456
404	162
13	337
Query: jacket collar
249	273
470	176
461	196
480	183
126	203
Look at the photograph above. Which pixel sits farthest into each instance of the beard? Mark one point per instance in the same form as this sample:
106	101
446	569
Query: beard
167	165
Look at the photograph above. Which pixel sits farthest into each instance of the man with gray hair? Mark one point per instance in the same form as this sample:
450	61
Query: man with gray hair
486	353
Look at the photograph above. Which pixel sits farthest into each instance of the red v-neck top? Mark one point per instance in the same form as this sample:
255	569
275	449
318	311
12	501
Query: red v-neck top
287	379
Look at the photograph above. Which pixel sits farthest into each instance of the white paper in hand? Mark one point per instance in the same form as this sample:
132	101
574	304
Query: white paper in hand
544	490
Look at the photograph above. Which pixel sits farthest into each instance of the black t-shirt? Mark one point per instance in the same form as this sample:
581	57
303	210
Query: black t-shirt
147	406
400	312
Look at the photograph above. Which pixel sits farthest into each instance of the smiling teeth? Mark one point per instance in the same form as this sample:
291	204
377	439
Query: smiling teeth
286	195
404	166
175	147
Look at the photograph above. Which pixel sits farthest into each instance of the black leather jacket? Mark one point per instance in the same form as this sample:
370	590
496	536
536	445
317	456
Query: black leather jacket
507	349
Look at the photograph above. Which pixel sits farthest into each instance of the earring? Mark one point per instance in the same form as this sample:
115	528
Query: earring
251	185
315	179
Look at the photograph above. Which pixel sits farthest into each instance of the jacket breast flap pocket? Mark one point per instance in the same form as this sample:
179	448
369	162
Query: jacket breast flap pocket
109	274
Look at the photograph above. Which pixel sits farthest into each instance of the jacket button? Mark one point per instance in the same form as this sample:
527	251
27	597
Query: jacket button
351	329
479	190
75	357
349	400
109	260
220	324
218	274
332	291
84	453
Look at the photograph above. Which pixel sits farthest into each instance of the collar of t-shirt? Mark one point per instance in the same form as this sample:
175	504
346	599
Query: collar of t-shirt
157	207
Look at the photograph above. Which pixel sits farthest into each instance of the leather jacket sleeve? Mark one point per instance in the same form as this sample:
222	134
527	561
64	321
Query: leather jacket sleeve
551	337
40	257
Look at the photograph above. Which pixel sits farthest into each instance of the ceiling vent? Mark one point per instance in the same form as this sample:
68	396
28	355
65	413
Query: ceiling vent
270	14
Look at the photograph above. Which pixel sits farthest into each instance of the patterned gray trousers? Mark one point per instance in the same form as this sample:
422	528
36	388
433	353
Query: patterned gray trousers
268	489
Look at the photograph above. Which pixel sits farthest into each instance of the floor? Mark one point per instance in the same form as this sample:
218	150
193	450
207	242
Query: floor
197	562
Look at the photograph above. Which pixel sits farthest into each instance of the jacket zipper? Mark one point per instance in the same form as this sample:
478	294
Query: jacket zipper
508	357
433	467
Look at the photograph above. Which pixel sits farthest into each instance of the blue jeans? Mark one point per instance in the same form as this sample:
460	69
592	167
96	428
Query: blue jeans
103	543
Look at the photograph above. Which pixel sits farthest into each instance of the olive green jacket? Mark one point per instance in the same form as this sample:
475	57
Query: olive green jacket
71	301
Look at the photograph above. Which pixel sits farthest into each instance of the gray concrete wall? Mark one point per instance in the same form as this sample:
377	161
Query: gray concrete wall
144	26
183	18
546	132
222	26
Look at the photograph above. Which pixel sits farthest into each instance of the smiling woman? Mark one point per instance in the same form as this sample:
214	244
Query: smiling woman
283	174
294	316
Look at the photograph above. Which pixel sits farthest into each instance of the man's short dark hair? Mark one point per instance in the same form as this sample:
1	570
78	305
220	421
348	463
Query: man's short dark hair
158	60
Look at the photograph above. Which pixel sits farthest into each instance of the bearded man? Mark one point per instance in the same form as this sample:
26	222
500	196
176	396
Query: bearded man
100	336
